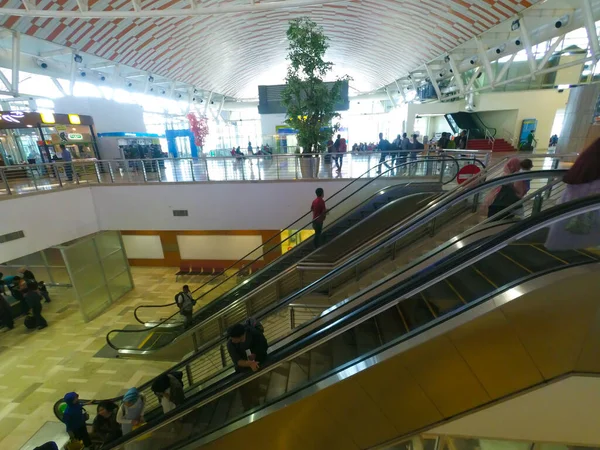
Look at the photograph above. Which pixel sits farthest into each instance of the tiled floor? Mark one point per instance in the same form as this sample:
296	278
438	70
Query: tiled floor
39	367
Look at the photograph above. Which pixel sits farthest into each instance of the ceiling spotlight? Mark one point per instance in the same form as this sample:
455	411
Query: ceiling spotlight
102	78
195	91
150	79
515	25
152	89
82	73
446	59
561	22
201	100
129	84
193	99
78	58
474	60
178	95
41	63
163	92
212	103
500	49
518	42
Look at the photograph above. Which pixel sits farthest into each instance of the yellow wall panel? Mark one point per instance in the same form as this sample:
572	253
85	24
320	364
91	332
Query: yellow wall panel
492	349
358	414
393	388
552	323
445	376
589	358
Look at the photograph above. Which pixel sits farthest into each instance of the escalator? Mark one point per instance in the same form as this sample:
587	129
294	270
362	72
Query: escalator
321	286
386	207
417	350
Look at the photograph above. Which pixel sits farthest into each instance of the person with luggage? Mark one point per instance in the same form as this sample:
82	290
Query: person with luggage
34	302
186	303
131	411
169	390
6	318
75	417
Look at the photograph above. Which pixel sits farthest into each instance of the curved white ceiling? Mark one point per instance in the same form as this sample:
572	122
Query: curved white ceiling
374	41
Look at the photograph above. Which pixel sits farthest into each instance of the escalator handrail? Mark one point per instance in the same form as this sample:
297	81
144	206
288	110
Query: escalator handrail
366	254
411	223
429	276
443	158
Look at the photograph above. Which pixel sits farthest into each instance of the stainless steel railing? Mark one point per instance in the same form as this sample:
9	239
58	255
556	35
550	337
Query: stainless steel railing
30	178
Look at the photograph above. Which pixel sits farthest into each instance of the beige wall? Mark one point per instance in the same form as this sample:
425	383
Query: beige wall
578	131
539	104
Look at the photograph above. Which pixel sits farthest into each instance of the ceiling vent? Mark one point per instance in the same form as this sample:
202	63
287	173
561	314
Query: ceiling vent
180	212
14	236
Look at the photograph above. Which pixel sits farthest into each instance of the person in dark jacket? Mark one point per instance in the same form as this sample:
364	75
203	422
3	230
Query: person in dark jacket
28	275
169	390
34	301
18	289
242	338
6	318
105	427
75	417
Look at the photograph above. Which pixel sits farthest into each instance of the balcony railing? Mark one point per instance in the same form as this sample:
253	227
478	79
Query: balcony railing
31	178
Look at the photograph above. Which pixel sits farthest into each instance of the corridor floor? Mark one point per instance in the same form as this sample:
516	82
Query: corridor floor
39	367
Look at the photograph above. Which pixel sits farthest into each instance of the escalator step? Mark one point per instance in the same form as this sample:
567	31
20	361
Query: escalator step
571	256
278	382
343	349
367	336
320	360
415	311
443	297
221	411
471	284
298	373
532	257
499	270
390	325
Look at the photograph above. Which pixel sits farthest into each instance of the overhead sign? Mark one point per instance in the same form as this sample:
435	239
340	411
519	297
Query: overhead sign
12	116
75	137
467	172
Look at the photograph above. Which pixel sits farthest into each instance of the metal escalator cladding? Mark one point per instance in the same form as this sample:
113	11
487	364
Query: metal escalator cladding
378	325
459	209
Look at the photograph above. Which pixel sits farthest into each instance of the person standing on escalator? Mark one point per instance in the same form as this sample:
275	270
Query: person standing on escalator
186	303
319	211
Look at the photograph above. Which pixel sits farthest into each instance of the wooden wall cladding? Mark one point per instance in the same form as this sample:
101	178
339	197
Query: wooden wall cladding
170	246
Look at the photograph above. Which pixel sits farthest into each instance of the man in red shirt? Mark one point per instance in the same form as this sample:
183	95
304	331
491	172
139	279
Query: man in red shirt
319	210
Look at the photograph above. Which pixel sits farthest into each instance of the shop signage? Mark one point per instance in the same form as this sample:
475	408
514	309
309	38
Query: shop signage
75	137
12	116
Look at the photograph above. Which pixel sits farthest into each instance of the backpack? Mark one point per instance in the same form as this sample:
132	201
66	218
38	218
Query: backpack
254	324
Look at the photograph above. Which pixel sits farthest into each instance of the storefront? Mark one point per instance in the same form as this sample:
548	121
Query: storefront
27	137
124	145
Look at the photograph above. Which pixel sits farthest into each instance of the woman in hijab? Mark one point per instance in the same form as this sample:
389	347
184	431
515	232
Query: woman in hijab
75	417
582	180
131	412
502	197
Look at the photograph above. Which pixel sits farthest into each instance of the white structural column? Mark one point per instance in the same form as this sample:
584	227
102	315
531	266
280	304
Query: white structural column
16	61
193	4
550	52
433	82
137	5
73	73
457	75
590	27
83	5
59	86
220	109
472	80
486	61
7	83
527	44
208	102
505	68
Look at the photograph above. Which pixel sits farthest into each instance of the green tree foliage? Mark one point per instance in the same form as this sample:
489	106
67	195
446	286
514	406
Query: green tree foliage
308	100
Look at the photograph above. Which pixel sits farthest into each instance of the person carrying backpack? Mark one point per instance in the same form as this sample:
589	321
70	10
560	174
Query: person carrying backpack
186	303
247	345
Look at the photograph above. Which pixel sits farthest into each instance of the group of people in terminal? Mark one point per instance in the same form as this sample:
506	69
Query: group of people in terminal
28	295
247	348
